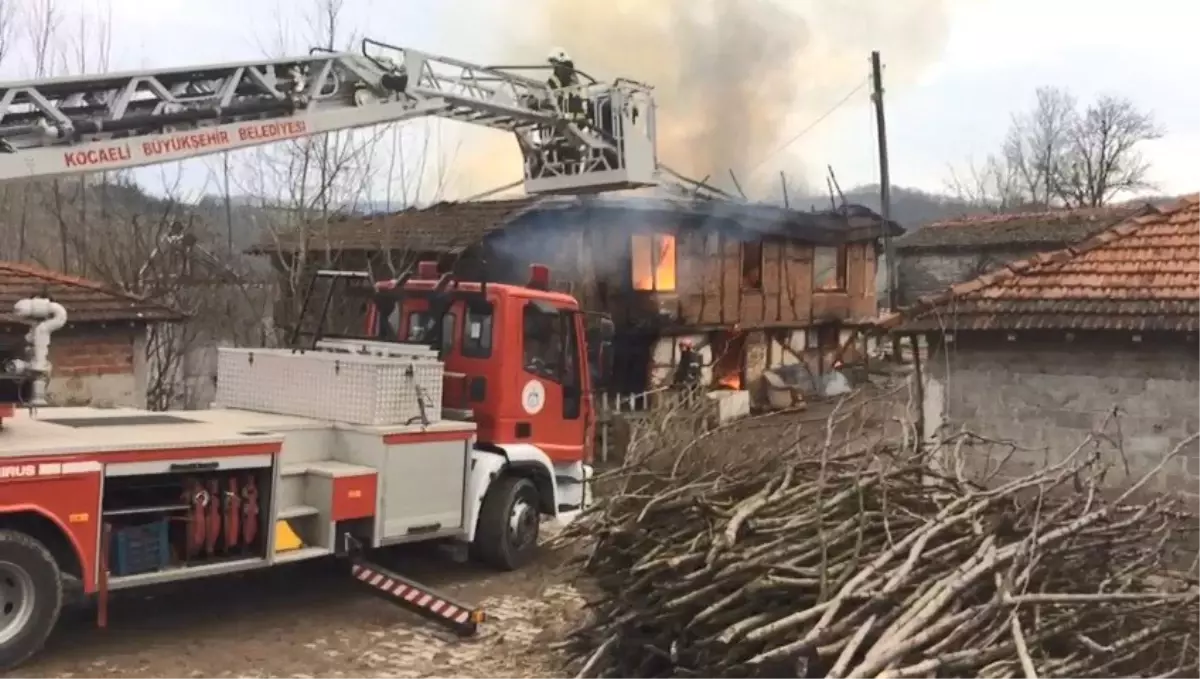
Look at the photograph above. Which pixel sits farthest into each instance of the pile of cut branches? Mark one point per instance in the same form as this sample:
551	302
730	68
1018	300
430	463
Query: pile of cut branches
756	551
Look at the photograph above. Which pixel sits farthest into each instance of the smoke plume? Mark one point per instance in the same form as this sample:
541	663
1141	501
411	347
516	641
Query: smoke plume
733	79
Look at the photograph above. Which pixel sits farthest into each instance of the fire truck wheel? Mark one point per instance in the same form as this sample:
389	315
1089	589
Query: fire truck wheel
31	594
506	536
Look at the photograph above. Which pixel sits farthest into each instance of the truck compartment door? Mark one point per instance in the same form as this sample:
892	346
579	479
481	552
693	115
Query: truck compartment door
424	482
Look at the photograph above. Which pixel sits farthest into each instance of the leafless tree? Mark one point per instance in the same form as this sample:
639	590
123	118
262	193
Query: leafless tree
991	186
1058	155
1037	143
154	247
105	227
307	186
1103	158
8	27
43	23
303	186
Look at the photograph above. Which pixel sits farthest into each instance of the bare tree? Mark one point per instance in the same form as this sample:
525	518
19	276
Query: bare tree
1103	159
43	23
306	186
8	27
1056	155
991	186
1037	142
109	229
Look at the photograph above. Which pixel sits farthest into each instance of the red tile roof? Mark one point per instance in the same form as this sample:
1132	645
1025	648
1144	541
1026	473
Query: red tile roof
86	301
1141	274
1046	229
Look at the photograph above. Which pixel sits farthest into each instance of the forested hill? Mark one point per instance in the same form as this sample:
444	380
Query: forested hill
911	208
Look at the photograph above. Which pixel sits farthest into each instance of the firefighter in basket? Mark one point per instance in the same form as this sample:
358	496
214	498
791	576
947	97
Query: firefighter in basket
564	83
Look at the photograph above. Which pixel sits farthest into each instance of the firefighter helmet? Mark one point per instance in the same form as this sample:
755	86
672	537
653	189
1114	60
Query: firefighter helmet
559	55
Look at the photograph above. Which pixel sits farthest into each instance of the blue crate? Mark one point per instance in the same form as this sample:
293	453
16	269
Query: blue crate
139	549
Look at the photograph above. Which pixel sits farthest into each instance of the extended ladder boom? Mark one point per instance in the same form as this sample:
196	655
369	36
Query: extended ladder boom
73	125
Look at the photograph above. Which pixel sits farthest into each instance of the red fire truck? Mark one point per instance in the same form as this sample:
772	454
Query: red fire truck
460	415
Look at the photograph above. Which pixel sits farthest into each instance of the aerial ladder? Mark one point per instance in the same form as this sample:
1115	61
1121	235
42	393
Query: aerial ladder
73	125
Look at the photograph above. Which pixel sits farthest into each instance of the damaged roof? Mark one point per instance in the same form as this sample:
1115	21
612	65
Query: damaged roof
444	227
86	301
1142	274
452	227
1047	229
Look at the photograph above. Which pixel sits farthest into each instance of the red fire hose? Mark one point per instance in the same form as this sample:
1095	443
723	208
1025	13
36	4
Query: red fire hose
197	498
233	515
213	522
249	511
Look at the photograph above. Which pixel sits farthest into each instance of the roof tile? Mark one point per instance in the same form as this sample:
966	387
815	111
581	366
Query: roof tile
1047	229
1141	274
85	301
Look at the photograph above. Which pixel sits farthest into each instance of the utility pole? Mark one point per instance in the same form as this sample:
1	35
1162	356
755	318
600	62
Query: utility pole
885	187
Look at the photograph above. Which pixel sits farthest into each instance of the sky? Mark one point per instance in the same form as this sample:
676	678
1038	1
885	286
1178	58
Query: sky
956	70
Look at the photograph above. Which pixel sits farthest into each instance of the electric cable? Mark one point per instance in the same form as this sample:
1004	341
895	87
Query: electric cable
812	125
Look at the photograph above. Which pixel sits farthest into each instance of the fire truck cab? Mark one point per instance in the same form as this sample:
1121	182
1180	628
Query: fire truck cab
520	361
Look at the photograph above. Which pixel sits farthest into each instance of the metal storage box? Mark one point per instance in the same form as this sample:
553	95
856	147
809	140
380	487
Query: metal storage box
341	387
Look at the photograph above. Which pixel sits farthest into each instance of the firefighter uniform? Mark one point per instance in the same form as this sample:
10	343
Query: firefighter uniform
564	84
564	81
689	369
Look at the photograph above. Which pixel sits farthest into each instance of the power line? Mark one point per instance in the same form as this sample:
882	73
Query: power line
809	128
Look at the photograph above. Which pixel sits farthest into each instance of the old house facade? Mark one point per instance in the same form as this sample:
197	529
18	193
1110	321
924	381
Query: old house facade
99	357
752	286
1098	337
936	256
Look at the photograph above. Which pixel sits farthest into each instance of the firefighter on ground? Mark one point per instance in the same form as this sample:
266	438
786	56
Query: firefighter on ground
688	370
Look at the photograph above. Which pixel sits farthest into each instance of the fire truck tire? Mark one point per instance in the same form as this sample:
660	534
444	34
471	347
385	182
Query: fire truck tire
506	537
31	596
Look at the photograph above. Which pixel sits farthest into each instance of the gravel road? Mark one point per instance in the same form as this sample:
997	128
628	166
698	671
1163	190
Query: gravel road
311	620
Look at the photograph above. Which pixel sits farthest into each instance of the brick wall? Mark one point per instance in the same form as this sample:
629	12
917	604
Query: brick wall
1049	397
98	366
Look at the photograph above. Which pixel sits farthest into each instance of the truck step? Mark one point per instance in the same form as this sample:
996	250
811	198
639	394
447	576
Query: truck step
460	618
301	554
297	511
327	468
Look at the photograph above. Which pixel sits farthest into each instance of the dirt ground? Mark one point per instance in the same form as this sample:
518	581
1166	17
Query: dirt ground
311	620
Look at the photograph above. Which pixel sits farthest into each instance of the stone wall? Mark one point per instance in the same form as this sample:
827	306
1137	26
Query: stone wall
926	272
1049	397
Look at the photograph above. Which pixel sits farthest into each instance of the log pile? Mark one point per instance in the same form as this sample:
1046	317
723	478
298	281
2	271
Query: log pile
752	554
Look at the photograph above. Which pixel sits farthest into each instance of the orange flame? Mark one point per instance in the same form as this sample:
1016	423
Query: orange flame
654	262
730	381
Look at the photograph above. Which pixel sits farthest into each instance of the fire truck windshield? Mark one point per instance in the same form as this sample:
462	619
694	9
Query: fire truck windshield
411	321
420	328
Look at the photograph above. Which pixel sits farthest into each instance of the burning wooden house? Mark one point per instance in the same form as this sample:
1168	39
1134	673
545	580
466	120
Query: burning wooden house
751	287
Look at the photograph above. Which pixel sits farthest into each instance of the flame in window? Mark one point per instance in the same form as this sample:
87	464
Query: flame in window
654	262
